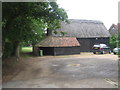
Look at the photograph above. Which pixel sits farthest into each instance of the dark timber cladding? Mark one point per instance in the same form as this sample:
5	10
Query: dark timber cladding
59	46
87	43
87	32
60	50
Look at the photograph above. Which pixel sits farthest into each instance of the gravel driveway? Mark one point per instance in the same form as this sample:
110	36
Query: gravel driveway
72	71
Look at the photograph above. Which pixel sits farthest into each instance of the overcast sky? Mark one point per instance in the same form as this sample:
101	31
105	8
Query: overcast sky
103	10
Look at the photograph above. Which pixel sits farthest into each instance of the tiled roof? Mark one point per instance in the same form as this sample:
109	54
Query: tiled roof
51	41
84	29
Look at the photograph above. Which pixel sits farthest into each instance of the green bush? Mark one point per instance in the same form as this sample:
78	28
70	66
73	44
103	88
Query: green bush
113	41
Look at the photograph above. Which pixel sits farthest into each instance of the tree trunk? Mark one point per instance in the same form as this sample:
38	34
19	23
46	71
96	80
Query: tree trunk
33	48
3	45
4	31
16	51
49	32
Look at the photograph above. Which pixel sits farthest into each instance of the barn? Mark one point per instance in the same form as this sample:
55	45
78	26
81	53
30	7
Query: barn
87	32
58	46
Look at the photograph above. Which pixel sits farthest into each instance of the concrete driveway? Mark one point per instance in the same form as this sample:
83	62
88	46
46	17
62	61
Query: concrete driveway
72	71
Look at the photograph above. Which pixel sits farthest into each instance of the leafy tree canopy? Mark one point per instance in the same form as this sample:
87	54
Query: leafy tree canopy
27	21
114	41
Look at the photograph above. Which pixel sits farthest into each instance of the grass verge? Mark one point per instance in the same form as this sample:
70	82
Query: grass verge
26	49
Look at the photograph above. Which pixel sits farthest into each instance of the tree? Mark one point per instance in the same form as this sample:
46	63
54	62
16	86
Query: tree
114	41
26	22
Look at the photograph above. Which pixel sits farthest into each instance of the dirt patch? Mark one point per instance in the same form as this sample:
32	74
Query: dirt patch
11	67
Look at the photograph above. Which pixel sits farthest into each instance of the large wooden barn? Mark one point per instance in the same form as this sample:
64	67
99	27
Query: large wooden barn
87	32
58	46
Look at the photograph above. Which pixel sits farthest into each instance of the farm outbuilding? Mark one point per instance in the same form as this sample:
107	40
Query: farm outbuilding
58	46
87	32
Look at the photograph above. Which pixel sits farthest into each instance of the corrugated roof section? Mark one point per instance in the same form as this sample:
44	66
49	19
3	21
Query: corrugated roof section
51	41
84	29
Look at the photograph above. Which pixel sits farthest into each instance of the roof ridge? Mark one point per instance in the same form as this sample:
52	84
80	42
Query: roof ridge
86	21
83	29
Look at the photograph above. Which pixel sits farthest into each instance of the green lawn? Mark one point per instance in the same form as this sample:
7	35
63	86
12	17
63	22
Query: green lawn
26	49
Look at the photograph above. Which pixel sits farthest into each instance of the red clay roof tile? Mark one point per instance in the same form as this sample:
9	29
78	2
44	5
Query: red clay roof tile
51	41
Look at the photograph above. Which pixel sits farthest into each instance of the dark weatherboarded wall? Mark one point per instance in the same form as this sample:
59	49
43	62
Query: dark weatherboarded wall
47	50
87	43
60	50
66	50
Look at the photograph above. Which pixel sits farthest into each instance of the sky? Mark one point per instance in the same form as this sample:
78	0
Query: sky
102	10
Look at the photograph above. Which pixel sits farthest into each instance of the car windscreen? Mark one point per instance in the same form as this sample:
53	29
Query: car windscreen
96	47
106	47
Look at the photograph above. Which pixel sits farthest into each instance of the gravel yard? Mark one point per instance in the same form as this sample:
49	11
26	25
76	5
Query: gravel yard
70	71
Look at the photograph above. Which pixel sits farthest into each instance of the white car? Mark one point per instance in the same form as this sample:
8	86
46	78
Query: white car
115	50
101	48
